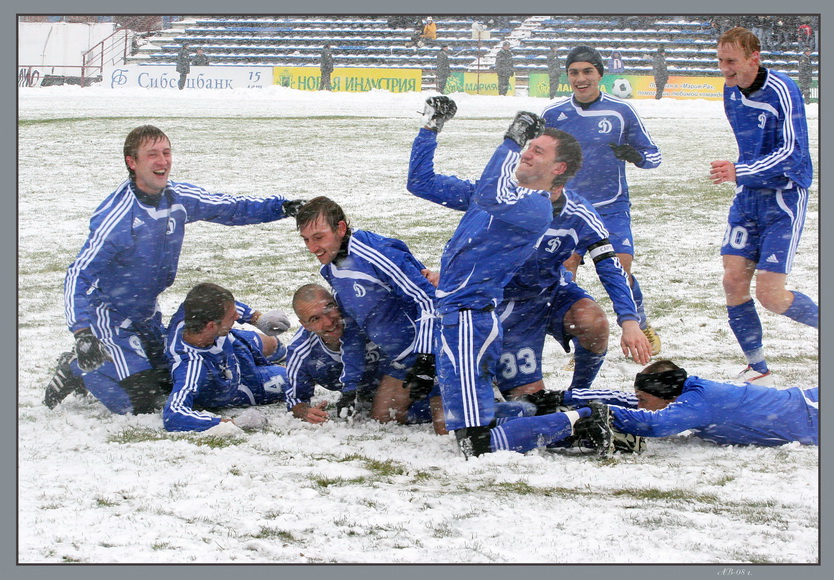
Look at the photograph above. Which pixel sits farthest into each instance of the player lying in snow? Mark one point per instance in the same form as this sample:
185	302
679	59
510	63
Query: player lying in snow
669	402
215	366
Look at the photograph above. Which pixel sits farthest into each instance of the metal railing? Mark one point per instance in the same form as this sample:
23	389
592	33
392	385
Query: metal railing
112	50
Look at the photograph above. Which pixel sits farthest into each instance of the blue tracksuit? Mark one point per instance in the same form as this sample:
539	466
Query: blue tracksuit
609	119
499	230
540	281
772	134
232	372
358	365
379	284
730	414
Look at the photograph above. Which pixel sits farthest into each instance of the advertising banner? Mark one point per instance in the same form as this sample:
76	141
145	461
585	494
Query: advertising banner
637	86
481	83
201	78
352	80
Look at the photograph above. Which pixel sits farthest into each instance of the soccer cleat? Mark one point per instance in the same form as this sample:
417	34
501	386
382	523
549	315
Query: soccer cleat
628	443
473	441
754	377
596	429
654	339
63	382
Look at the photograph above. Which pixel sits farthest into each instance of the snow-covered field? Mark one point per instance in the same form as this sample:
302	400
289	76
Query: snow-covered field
99	488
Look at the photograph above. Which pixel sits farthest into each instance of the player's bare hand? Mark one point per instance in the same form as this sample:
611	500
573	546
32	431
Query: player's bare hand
634	343
722	171
311	414
433	277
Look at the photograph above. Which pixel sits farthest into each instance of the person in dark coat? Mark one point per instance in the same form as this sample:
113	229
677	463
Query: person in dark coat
661	73
504	68
442	69
554	69
200	59
806	74
183	65
326	67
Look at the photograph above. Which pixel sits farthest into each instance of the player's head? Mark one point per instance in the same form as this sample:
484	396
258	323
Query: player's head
318	312
738	57
659	384
569	152
210	307
323	227
147	152
547	159
585	69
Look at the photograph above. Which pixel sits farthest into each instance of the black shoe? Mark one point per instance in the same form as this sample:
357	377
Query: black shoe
63	382
597	429
473	441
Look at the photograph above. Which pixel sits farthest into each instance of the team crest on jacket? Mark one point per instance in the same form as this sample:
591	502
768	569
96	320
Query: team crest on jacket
359	289
605	126
136	345
172	226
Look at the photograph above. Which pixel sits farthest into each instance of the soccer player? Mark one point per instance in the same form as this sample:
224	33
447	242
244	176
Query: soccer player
541	298
378	283
670	402
507	214
330	350
129	259
214	366
772	176
611	134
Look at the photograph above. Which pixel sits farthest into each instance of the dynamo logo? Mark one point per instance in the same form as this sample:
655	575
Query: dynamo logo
118	78
605	126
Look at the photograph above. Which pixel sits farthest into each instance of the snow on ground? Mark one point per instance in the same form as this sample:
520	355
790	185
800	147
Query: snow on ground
98	488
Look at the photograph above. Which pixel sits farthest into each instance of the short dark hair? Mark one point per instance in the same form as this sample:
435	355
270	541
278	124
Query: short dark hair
204	303
663	379
323	206
136	138
742	38
569	151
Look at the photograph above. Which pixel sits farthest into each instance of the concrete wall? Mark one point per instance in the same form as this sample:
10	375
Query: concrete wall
47	44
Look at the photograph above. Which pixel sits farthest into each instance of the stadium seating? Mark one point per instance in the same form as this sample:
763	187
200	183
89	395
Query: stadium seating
386	41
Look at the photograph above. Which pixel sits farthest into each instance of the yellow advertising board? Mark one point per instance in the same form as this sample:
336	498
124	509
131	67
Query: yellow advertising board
352	80
637	86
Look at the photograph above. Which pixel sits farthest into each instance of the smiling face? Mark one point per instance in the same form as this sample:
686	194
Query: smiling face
738	68
321	315
151	165
584	81
538	165
225	324
323	241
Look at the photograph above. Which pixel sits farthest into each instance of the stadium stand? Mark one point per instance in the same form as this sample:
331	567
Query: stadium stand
385	41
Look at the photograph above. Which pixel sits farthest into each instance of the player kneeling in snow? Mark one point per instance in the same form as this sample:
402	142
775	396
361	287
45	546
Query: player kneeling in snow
215	366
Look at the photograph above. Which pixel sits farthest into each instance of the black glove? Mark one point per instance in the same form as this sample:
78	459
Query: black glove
90	352
437	111
626	152
524	127
346	405
291	207
546	402
420	379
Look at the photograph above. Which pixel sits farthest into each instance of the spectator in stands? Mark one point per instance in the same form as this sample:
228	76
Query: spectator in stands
429	33
504	68
616	66
442	69
554	70
660	71
805	35
325	67
806	74
183	64
200	59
